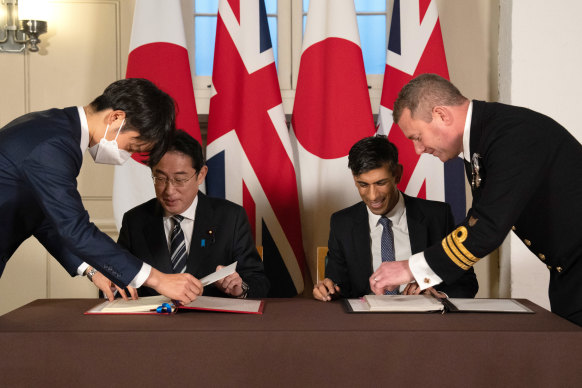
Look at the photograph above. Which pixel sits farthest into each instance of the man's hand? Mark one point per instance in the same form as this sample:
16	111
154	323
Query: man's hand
181	287
325	289
108	287
414	289
230	285
390	275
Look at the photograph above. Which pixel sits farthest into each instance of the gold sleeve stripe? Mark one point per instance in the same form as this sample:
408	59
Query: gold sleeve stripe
452	256
459	237
456	251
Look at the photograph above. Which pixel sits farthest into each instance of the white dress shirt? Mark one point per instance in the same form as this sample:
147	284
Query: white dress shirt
402	249
187	224
145	270
423	274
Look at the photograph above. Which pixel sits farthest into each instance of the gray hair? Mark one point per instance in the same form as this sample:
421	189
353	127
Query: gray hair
423	93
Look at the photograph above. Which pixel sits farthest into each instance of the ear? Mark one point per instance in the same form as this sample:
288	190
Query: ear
443	114
398	173
115	116
202	174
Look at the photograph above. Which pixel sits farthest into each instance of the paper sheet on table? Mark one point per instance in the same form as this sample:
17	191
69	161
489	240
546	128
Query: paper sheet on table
489	305
221	273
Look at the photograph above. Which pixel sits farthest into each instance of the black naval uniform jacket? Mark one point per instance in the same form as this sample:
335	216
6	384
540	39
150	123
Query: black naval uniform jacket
531	182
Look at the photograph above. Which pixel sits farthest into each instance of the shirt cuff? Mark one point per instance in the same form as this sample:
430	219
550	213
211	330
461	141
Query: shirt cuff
82	268
423	274
141	276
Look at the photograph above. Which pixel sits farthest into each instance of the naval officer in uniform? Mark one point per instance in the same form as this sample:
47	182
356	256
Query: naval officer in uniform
524	170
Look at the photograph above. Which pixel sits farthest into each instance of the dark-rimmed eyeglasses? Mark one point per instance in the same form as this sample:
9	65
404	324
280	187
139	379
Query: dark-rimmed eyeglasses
162	181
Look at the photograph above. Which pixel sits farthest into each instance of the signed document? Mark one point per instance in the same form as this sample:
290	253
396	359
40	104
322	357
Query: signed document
427	303
150	305
403	303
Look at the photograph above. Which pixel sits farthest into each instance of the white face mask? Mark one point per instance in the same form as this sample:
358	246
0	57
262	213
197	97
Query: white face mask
107	151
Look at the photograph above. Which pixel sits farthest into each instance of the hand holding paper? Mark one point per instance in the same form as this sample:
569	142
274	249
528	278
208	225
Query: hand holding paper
231	285
220	274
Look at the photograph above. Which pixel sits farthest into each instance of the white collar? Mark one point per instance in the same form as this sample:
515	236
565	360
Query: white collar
84	129
466	154
395	215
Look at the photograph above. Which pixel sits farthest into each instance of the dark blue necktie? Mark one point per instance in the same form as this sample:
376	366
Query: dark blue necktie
387	245
178	252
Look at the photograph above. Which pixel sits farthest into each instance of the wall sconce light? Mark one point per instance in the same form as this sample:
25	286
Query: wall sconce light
16	33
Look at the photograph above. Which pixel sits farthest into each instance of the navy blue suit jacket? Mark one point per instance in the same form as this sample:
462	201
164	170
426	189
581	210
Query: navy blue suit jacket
350	256
221	224
40	159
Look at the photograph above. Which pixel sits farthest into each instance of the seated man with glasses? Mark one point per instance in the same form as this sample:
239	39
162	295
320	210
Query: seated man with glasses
183	230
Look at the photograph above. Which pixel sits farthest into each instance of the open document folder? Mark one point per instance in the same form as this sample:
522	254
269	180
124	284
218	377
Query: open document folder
428	303
162	304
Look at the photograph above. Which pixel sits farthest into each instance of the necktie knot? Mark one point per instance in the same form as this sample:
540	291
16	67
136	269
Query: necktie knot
386	222
177	218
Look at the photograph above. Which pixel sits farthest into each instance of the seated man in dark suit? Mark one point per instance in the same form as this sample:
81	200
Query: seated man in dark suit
183	230
387	225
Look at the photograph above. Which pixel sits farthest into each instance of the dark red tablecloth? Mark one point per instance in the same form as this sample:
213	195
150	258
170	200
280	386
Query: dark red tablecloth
296	342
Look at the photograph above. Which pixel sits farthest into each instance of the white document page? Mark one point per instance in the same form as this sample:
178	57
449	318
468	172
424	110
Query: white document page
220	274
491	305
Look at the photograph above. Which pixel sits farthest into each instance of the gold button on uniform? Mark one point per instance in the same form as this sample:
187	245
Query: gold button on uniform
559	269
513	228
549	267
527	242
541	256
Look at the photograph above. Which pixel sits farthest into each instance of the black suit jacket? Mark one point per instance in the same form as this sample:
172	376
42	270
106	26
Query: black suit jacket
350	256
532	183
222	225
40	158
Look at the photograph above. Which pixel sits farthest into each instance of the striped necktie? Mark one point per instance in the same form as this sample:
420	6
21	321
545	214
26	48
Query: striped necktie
178	254
387	245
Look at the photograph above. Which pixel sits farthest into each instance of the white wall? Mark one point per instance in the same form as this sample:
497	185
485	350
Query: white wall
540	60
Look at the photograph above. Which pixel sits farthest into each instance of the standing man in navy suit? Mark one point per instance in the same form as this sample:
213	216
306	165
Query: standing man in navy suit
356	233
215	232
40	158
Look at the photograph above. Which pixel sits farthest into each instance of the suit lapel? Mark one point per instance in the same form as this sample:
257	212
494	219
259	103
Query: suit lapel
199	243
416	225
361	238
156	239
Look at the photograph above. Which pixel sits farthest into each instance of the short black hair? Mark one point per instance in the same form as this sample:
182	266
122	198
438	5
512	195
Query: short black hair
371	153
185	144
148	110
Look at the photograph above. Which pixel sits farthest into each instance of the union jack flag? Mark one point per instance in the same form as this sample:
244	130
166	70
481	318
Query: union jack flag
249	153
415	46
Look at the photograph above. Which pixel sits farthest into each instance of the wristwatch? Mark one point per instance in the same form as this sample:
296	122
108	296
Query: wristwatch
90	273
245	288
